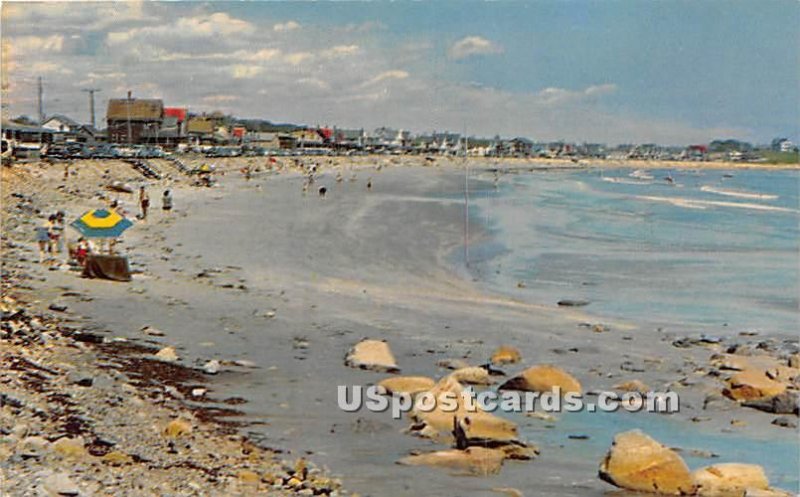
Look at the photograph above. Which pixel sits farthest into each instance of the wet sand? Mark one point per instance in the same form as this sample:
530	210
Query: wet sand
258	271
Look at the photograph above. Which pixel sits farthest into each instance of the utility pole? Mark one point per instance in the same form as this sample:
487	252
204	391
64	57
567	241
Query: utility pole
41	108
128	106
91	92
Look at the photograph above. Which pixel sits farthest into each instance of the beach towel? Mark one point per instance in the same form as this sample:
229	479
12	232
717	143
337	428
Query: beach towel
107	267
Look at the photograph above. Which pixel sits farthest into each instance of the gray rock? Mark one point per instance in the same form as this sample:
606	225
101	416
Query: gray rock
785	403
59	484
211	367
784	422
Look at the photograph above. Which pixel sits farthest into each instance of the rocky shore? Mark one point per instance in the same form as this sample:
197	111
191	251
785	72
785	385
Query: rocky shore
82	414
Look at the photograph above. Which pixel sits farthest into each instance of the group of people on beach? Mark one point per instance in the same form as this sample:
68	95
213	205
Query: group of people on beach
144	202
50	233
51	238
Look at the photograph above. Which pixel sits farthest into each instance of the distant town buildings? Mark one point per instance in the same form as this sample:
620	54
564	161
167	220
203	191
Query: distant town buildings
147	121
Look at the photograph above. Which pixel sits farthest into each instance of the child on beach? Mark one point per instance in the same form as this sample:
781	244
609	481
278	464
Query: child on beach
166	201
82	252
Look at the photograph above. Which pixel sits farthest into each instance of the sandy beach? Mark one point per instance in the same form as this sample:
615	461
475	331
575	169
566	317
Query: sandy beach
277	284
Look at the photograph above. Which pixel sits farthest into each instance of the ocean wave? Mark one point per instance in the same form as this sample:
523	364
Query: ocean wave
690	203
639	174
625	181
738	193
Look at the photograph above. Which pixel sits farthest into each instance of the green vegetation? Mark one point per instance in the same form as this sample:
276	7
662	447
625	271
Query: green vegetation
773	157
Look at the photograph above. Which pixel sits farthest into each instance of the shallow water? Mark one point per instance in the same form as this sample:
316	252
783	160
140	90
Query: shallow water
714	248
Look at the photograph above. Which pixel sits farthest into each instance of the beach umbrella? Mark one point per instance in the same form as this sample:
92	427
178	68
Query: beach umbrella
101	223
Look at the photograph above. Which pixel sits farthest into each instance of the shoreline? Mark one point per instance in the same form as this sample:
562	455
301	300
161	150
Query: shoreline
339	302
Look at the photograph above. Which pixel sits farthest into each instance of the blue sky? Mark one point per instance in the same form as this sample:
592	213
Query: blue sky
669	72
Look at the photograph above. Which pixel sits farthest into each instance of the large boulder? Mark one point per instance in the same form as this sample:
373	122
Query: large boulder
752	384
450	403
373	355
729	480
506	354
472	460
637	462
544	379
472	375
410	385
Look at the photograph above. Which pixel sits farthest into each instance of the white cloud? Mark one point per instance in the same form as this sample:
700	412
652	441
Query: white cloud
286	26
201	26
473	45
241	71
48	68
561	96
297	58
386	75
32	44
597	90
263	54
340	50
220	98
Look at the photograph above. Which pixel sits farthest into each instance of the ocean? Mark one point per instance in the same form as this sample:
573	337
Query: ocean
712	249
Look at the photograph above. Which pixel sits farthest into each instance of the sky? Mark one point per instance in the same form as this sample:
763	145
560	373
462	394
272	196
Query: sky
669	72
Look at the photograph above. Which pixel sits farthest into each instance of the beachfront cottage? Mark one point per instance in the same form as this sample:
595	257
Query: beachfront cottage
67	129
134	120
521	147
200	129
350	138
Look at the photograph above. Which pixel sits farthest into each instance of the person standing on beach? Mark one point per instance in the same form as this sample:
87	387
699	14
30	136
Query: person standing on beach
166	201
59	232
43	237
144	202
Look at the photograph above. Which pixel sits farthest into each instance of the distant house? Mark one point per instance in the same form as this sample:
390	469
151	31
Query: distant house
264	140
238	133
60	123
287	141
68	129
349	138
695	152
21	140
134	120
384	138
200	129
595	150
783	145
308	137
520	147
173	127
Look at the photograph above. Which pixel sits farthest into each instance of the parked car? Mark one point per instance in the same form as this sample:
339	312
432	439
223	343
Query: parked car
67	150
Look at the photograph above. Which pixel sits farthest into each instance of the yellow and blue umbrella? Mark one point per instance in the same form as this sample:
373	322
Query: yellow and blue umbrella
101	223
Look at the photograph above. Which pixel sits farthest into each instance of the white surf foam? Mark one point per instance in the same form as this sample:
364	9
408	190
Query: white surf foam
738	193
